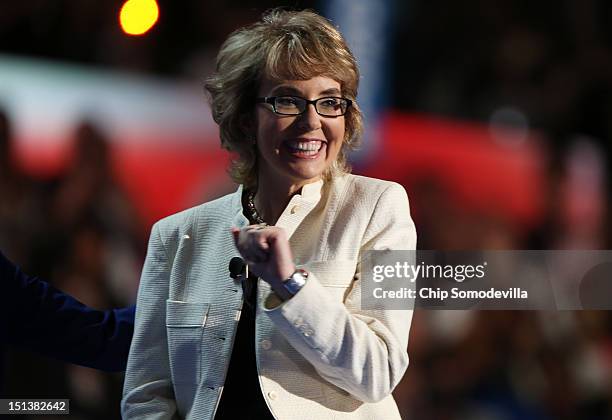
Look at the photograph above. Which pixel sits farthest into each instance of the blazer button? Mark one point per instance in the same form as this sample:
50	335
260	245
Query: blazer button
294	209
273	395
266	344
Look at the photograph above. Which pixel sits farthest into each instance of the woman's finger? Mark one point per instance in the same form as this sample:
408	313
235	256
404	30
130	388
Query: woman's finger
236	235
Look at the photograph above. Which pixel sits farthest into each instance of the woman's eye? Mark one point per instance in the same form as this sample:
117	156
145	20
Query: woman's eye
330	102
286	101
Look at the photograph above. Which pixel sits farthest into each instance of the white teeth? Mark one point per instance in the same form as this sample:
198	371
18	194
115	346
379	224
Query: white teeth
307	146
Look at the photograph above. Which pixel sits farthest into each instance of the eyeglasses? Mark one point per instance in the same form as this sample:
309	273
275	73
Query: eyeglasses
294	105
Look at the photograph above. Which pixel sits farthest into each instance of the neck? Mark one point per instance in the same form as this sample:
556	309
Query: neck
272	197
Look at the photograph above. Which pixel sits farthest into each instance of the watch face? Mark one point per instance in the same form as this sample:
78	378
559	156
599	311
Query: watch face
299	277
296	281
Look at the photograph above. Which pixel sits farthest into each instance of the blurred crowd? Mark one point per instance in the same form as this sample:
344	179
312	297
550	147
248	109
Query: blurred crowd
550	63
80	232
501	365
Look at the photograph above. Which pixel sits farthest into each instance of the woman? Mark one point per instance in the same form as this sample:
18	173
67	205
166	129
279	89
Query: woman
284	97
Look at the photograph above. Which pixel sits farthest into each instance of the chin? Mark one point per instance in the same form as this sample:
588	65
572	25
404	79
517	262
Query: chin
306	174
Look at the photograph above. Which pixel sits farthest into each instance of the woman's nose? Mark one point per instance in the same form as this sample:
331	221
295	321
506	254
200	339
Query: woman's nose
309	119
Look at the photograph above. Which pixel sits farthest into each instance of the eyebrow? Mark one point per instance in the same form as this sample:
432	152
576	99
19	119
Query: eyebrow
293	91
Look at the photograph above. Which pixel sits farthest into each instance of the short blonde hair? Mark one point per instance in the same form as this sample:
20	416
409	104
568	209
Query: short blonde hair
284	45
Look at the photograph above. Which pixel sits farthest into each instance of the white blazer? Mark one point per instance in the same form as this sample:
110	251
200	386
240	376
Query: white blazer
319	355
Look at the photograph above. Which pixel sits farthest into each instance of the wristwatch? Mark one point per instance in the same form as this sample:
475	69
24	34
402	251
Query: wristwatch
296	281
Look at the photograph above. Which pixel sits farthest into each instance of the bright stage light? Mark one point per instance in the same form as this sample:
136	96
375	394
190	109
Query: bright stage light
138	16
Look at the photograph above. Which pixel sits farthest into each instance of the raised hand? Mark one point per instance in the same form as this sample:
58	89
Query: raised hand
267	253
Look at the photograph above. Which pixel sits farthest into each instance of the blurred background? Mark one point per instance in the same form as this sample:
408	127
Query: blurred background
495	115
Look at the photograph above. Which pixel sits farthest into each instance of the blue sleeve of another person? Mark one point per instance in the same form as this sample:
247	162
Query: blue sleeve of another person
38	317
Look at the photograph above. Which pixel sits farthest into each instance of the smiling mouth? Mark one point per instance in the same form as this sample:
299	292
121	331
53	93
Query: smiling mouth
308	149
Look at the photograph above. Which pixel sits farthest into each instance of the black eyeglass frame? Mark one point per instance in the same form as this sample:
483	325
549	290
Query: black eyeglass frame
272	101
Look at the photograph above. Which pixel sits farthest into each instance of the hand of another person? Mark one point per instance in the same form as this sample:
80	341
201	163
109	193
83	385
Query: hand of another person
267	253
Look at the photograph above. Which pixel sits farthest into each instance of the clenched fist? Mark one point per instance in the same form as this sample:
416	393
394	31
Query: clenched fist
267	252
